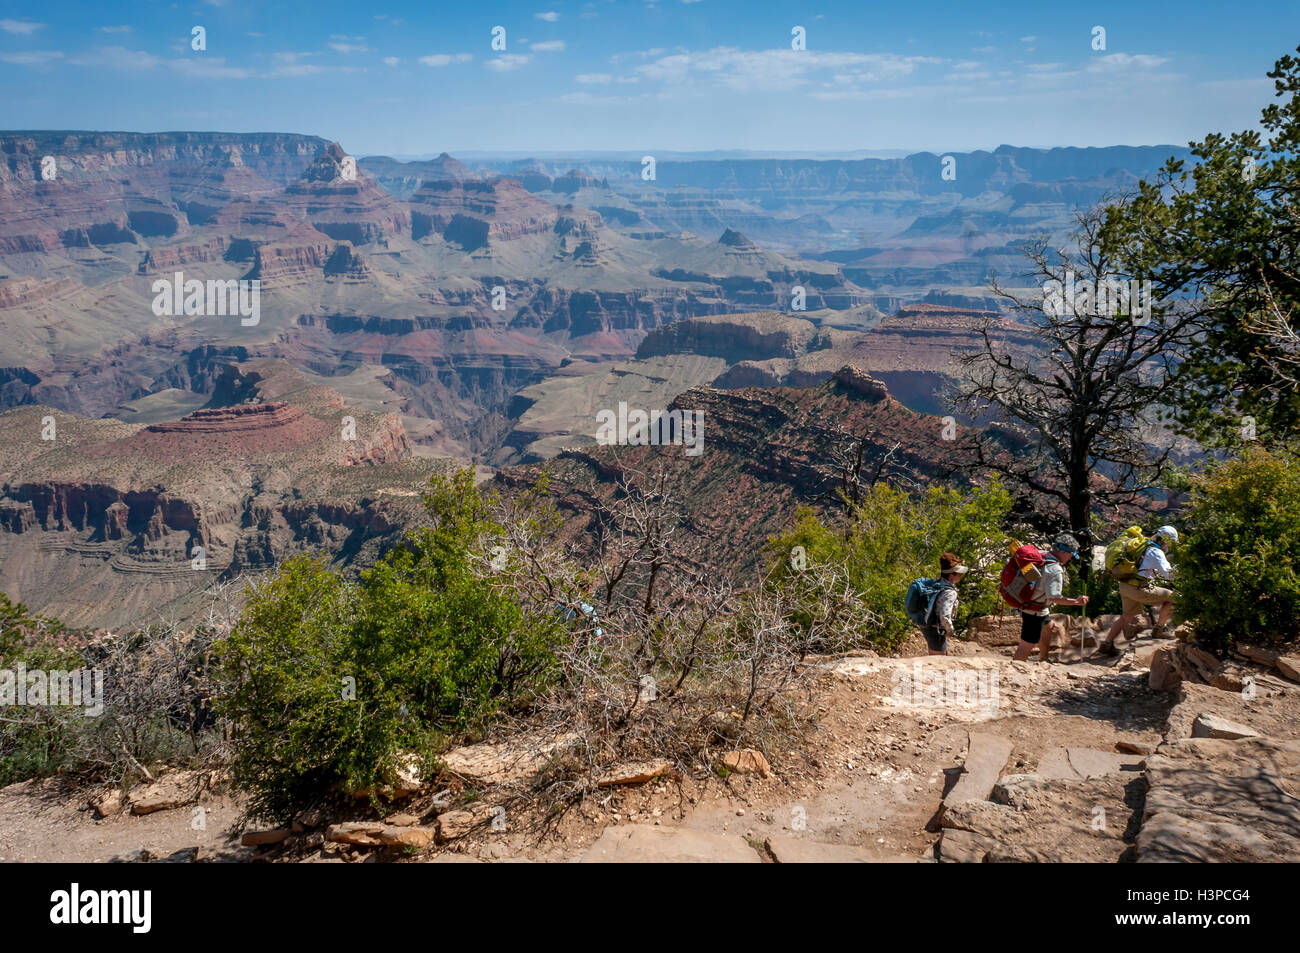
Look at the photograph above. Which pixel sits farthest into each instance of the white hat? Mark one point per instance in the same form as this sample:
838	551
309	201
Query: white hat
1168	531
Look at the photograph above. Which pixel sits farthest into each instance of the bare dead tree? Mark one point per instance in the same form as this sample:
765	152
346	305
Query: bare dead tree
664	659
1076	415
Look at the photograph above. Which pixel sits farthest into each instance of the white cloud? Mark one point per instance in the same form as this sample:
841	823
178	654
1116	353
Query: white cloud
446	59
1112	62
391	61
584	98
1029	39
113	29
21	27
594	78
31	57
548	46
550	16
508	61
745	70
349	44
210	67
117	57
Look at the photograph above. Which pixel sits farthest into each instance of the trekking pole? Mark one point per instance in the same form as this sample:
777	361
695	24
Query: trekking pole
1083	631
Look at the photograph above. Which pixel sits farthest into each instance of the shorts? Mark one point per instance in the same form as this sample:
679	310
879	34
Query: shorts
1134	599
1031	627
935	637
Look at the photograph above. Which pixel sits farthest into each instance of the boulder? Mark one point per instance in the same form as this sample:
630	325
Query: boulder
1289	666
504	763
1211	726
747	761
419	837
107	803
635	773
363	833
1221	801
262	838
1165	674
453	824
1133	747
964	847
186	855
1266	657
168	792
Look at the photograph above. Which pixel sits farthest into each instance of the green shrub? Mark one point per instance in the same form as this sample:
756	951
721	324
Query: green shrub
892	538
1239	565
328	683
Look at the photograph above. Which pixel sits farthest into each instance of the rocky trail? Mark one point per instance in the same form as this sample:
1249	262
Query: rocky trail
966	758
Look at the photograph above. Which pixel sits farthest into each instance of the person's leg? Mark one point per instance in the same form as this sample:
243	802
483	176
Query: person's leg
1052	630
935	640
1166	613
1031	630
1130	609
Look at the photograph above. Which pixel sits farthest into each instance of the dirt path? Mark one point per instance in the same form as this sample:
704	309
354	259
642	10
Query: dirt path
892	740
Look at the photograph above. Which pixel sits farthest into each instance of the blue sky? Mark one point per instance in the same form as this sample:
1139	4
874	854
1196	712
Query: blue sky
628	75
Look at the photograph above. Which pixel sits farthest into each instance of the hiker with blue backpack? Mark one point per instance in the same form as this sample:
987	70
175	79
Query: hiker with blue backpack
932	603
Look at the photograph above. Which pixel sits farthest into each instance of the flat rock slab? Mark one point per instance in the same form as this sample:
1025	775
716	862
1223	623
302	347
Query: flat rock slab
1055	763
986	757
636	773
168	792
501	764
1222	801
1211	726
1090	762
1034	819
800	850
646	844
1289	665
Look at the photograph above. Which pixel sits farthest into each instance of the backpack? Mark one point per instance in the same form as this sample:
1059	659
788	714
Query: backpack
1124	556
921	596
1019	575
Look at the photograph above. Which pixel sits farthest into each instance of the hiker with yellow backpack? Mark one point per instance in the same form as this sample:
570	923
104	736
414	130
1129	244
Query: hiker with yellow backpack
1137	563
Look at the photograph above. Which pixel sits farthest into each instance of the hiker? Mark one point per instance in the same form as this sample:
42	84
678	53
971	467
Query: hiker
1047	592
1138	589
931	603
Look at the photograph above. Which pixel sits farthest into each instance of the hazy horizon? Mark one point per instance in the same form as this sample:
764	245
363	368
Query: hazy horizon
664	77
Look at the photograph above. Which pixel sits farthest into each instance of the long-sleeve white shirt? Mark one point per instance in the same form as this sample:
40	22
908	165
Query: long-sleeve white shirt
945	604
1155	563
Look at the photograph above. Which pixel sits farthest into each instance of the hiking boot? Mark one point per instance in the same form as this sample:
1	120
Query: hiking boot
1108	648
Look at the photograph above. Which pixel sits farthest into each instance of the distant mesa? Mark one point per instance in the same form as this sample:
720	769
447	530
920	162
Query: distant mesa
859	381
734	239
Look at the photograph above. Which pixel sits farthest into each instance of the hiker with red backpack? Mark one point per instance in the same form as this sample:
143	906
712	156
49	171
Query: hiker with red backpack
1137	563
1033	581
932	603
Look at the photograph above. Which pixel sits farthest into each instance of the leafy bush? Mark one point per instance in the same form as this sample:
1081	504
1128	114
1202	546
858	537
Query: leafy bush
891	538
155	705
1239	565
330	683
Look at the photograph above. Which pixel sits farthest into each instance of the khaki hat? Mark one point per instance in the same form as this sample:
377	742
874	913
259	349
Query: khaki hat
948	563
